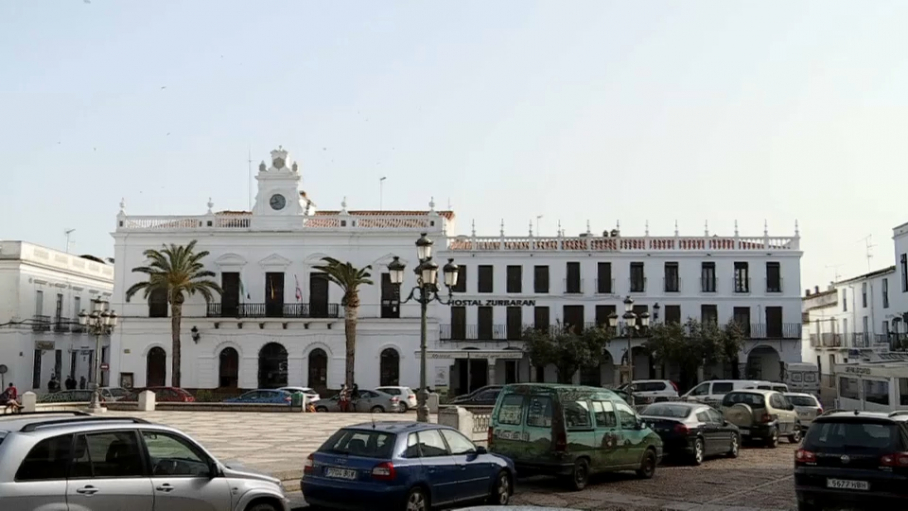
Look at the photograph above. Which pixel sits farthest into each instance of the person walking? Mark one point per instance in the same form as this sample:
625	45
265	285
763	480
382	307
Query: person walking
82	383
354	396
10	399
70	382
343	398
53	385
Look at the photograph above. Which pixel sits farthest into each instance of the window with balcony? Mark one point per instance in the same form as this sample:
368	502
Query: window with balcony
230	298
708	277
774	327
741	316
39	303
461	286
602	314
904	264
638	278
515	279
742	278
318	295
458	323
157	303
540	279
541	319
77	308
514	323
773	277
885	293
864	295
485	327
604	278
274	294
573	317
673	314
672	279
844	300
390	297
572	284
709	314
485	282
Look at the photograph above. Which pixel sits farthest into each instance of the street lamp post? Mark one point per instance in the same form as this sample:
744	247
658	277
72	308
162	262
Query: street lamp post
631	323
101	321
425	292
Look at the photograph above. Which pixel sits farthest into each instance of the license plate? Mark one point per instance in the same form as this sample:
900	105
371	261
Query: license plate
846	484
745	432
340	473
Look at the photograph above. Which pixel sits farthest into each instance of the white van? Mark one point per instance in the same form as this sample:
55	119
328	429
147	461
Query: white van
802	377
711	392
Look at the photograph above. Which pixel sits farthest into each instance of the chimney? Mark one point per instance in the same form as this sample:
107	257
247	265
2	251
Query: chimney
807	292
816	289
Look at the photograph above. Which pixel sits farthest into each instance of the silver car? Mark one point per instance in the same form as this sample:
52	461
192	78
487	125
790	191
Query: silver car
74	461
807	406
369	401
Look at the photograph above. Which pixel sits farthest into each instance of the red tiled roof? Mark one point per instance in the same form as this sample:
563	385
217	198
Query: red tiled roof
447	214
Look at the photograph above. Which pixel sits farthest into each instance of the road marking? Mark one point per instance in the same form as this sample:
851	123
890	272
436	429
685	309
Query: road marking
751	489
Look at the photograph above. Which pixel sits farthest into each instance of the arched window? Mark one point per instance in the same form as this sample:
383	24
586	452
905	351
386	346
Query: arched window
272	366
228	374
389	368
318	369
157	303
156	367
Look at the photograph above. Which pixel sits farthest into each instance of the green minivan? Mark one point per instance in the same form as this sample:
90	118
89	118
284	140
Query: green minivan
571	431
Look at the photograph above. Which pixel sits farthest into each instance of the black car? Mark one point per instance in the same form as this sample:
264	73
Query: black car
853	458
692	430
483	396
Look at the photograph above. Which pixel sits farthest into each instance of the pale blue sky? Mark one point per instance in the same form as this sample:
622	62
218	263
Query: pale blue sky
693	110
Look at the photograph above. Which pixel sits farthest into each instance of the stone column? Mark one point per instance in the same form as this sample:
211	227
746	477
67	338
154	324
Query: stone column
492	362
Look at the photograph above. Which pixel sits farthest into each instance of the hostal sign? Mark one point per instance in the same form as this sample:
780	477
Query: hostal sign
493	303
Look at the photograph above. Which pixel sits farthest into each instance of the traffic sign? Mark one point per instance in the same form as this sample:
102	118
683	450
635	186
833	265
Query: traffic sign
105	367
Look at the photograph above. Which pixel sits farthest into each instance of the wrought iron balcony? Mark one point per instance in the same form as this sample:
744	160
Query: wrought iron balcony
637	285
457	332
671	284
274	310
605	286
40	323
774	331
62	325
774	285
708	284
573	287
742	285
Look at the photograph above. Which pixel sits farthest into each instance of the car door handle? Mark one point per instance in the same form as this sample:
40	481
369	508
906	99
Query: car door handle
166	488
87	490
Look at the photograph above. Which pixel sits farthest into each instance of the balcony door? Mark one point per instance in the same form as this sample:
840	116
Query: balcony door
230	300
274	295
390	297
318	295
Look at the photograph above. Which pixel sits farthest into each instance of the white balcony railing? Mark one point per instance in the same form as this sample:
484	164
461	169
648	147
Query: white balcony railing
244	221
622	244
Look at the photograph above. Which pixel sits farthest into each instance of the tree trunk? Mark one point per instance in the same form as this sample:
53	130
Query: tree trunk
176	348
565	375
350	314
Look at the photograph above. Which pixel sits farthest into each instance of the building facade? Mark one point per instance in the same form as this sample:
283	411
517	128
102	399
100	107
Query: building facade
280	323
42	292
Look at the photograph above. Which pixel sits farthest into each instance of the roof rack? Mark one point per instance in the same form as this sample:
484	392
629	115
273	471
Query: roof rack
59	422
21	415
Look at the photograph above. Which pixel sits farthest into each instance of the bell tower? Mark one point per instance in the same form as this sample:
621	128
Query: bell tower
278	204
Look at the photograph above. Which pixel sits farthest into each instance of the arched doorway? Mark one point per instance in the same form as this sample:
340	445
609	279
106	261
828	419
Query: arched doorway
318	369
272	366
763	363
229	368
602	374
389	368
156	367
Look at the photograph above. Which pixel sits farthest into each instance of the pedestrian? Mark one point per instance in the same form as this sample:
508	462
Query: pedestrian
10	398
82	383
53	385
342	397
70	382
354	395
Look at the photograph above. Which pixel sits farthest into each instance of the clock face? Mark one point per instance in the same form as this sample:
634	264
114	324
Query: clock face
278	202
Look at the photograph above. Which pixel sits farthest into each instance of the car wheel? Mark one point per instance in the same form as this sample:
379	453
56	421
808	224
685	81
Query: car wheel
773	440
501	491
580	476
733	450
796	437
377	409
402	407
697	457
648	466
321	409
417	500
262	507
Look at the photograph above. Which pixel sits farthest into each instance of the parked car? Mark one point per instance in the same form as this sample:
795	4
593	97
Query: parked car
114	393
263	397
807	406
483	396
407	466
311	395
762	415
854	458
76	461
406	395
652	391
711	392
369	401
163	395
776	386
571	432
692	431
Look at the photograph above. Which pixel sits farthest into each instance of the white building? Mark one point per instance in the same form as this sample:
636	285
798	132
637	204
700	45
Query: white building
279	323
42	292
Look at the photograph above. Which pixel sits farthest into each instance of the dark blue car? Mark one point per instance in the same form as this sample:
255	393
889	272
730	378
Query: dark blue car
263	396
409	466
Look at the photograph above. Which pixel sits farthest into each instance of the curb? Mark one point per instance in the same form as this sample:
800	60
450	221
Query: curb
289	476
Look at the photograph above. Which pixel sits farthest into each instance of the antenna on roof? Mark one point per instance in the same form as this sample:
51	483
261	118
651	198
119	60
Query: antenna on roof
249	163
381	193
835	269
868	245
67	232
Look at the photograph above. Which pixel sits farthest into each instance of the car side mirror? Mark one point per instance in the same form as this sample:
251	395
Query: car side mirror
481	450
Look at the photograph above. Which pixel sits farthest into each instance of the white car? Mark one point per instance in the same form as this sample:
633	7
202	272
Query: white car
406	395
311	395
807	406
652	391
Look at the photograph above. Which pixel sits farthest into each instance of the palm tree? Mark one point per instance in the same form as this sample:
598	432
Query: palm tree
349	278
176	271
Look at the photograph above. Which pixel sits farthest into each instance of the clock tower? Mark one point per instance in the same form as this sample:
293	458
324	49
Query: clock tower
278	204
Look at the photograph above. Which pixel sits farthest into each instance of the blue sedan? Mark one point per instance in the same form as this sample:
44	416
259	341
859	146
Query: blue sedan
407	466
263	396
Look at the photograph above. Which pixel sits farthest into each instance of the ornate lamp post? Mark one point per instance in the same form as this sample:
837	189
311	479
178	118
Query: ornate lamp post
425	292
100	321
631	323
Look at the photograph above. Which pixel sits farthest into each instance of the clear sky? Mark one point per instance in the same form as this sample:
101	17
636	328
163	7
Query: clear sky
575	110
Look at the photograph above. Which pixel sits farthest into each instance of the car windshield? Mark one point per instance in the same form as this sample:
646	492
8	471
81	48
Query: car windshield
801	400
747	398
668	411
357	442
878	436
